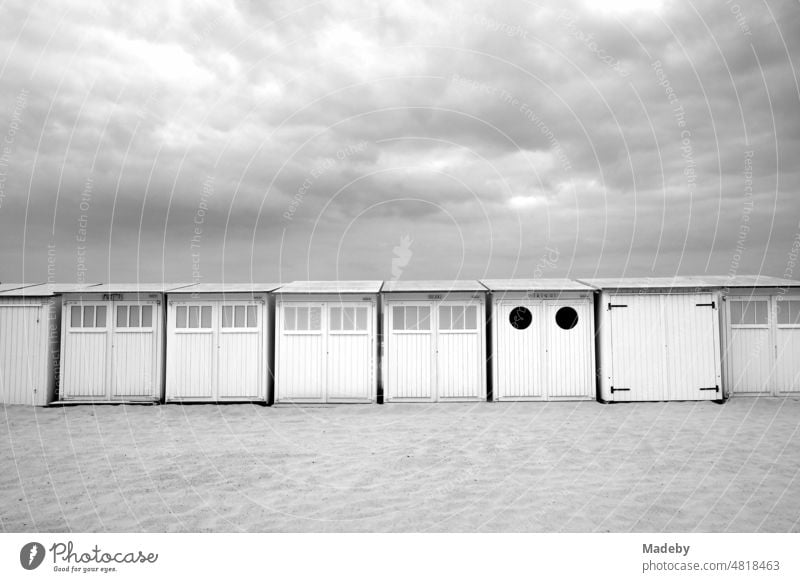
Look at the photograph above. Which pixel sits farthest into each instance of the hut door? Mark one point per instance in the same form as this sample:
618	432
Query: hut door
638	358
788	348
568	369
190	365
86	351
350	350
458	350
21	356
240	351
302	353
134	348
692	346
518	354
750	351
410	351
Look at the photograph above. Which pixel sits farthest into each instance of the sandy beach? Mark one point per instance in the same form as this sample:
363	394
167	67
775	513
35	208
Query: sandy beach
544	467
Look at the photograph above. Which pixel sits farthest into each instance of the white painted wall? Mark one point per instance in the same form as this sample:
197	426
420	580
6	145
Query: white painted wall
660	346
435	349
326	348
217	347
543	361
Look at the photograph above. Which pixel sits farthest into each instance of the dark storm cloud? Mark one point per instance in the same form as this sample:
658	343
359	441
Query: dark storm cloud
242	140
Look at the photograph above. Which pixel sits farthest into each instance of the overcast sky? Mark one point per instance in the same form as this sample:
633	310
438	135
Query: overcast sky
268	141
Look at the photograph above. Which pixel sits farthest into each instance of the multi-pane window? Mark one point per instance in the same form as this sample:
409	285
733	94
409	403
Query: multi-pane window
193	317
348	318
302	318
789	312
411	318
749	312
134	316
87	316
458	317
239	316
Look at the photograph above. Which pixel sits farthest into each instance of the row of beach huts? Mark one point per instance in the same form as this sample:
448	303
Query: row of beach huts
311	342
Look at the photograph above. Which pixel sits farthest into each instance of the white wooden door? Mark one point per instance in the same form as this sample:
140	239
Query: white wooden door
350	351
410	351
22	359
787	333
638	357
85	355
134	348
240	351
458	350
518	353
692	347
191	350
302	352
569	358
750	352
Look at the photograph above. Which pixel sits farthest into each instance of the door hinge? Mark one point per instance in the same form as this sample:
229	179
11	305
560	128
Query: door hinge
619	389
714	388
712	305
612	305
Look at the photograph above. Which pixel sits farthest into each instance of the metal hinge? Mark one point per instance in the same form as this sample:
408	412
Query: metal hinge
712	305
619	389
611	305
714	388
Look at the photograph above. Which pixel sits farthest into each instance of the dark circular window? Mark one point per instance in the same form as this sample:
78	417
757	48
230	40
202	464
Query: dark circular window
520	318
566	318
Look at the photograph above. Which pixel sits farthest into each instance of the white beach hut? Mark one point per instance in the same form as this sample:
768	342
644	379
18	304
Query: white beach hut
434	335
761	346
659	339
326	341
542	339
30	324
219	343
112	343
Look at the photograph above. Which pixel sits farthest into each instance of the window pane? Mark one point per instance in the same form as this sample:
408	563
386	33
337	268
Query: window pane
252	317
794	312
336	318
147	316
239	312
349	318
316	318
783	312
194	316
444	318
398	318
471	319
227	316
761	312
302	318
75	316
736	312
458	317
134	316
288	318
122	316
205	316
748	313
88	316
424	318
411	317
180	316
361	318
101	316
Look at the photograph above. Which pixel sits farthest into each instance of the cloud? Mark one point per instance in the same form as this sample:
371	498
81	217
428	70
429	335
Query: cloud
620	136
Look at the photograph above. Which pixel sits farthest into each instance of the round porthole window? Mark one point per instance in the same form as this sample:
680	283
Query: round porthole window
520	318
566	318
